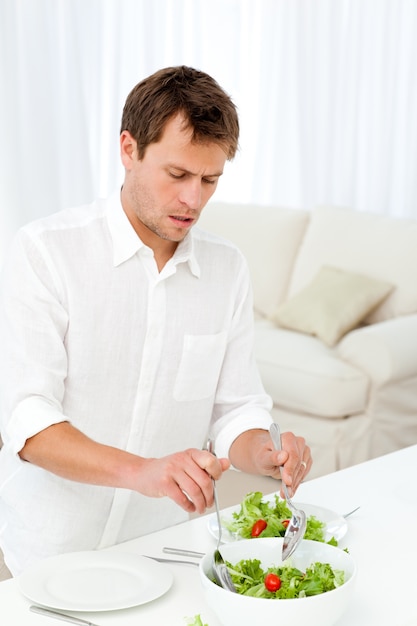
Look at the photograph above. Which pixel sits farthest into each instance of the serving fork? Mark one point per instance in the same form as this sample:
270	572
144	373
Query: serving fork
298	523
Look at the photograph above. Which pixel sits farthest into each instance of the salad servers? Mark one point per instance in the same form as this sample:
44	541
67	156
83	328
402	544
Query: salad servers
220	571
178	561
296	528
182	552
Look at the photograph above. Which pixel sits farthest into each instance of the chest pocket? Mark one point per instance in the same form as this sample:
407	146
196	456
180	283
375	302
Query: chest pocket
200	365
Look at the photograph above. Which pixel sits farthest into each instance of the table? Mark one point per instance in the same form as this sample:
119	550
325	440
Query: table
385	549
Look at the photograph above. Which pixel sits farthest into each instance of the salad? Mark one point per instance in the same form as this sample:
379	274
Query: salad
260	518
196	621
284	581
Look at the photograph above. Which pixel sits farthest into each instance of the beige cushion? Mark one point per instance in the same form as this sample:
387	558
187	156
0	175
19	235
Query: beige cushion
332	304
374	245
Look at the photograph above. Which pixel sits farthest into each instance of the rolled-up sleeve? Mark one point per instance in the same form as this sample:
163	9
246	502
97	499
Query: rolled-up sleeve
241	402
33	359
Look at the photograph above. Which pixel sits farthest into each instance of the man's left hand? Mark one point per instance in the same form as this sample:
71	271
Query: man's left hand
254	452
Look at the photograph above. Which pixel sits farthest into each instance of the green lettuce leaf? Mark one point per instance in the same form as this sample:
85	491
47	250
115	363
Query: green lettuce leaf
248	577
274	512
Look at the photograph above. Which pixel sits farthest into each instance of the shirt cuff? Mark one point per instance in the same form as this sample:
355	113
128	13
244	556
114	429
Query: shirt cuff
30	417
225	436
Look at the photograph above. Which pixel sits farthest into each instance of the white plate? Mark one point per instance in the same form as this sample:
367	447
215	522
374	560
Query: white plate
336	525
95	581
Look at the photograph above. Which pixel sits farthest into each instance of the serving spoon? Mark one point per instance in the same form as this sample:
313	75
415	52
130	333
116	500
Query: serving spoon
220	571
298	523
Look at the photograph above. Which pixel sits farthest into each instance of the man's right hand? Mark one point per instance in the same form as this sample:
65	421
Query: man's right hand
185	477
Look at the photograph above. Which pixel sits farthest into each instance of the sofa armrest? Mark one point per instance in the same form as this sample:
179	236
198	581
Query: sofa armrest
386	351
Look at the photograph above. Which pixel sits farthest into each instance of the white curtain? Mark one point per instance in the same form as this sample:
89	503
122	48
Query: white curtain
326	90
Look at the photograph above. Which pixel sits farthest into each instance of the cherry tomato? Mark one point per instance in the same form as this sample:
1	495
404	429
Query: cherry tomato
285	522
258	527
272	582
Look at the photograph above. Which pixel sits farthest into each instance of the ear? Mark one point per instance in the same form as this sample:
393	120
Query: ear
128	151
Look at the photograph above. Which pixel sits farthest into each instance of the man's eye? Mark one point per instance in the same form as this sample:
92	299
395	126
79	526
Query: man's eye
176	176
210	181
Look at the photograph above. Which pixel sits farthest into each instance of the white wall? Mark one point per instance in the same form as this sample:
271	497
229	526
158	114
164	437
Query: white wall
326	90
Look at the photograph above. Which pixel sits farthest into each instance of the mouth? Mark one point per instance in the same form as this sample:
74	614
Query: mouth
182	221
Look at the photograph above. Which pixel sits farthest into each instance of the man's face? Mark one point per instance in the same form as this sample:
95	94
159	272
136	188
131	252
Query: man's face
164	193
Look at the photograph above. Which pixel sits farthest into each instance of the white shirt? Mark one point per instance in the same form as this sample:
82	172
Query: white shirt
148	362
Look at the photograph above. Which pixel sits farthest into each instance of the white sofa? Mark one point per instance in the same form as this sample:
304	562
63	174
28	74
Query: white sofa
356	398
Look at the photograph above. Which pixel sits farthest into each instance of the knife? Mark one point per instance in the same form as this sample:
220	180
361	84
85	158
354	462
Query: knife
66	618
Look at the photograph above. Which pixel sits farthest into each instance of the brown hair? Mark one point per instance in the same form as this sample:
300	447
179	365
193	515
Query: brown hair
207	109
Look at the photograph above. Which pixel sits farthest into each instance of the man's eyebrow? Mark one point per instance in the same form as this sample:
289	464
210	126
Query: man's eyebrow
186	171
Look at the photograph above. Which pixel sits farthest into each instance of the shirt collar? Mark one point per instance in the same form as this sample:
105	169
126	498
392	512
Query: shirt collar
185	253
126	243
125	240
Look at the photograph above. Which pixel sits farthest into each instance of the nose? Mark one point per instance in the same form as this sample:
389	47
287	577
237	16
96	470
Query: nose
191	194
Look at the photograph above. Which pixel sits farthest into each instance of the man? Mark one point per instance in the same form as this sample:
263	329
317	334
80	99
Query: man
127	341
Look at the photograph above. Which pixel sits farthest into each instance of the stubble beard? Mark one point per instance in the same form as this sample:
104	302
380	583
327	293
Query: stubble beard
144	213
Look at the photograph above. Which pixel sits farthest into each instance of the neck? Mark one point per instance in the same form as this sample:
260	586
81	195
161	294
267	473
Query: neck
162	254
163	249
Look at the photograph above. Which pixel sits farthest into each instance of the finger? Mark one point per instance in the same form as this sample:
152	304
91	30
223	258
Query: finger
178	494
214	468
225	463
183	500
185	482
295	447
279	459
306	464
201	496
189	494
207	461
200	469
303	469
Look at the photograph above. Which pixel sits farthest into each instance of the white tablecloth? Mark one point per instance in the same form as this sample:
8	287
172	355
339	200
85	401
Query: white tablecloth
381	537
